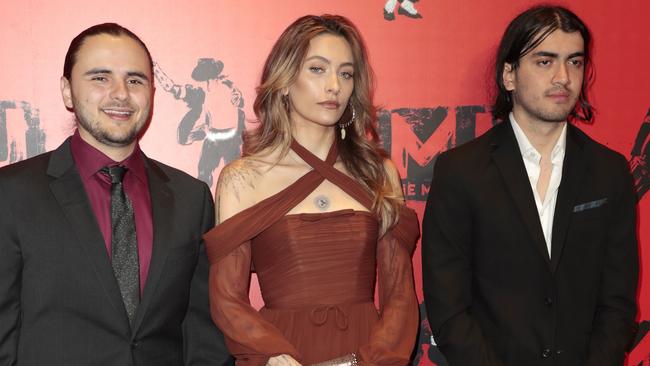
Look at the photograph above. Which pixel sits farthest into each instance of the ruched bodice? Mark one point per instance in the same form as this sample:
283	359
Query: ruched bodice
289	259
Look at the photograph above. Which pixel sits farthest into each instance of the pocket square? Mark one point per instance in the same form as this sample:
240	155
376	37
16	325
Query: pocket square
589	205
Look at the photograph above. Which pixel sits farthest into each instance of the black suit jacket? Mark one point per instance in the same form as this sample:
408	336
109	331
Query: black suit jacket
492	294
59	301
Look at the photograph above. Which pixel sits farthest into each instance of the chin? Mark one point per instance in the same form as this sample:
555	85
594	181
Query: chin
555	118
120	139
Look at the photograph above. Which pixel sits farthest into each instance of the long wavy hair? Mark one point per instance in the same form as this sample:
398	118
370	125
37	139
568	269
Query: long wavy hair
526	32
359	151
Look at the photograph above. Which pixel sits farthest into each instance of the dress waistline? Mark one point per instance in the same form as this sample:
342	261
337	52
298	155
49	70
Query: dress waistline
319	314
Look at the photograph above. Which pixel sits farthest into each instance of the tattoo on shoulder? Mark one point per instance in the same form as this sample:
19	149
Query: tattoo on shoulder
243	174
217	220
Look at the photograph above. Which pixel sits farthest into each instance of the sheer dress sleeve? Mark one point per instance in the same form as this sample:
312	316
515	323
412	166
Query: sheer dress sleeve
393	338
251	339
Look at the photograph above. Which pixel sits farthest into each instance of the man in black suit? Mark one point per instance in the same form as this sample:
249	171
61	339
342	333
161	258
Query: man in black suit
102	260
529	245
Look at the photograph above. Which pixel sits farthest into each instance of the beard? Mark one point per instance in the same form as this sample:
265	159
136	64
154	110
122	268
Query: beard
100	132
544	112
106	137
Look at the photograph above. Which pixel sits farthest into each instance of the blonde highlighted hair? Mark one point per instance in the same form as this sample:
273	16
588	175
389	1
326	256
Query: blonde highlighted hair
359	151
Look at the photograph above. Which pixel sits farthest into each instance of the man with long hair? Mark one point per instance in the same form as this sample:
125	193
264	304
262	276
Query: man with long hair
529	246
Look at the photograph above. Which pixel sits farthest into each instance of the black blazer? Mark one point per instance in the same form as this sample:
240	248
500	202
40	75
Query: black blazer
59	301
492	294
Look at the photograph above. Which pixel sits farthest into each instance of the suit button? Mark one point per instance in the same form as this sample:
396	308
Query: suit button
548	301
135	344
546	352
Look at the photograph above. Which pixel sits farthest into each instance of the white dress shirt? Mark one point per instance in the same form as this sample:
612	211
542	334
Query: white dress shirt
532	160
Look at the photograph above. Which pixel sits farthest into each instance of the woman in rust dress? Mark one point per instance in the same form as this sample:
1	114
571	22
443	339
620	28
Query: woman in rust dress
315	208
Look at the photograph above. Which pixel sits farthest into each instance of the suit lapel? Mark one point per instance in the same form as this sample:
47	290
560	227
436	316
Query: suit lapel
573	174
506	155
70	193
162	207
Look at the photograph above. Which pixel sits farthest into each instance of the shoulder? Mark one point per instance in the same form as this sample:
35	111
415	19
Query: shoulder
606	167
470	156
174	176
240	176
26	174
237	184
27	166
192	194
601	156
594	149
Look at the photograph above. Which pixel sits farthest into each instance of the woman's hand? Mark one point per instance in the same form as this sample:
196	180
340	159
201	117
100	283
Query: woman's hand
282	360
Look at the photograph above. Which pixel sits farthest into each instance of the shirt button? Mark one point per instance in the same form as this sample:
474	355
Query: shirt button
548	301
546	352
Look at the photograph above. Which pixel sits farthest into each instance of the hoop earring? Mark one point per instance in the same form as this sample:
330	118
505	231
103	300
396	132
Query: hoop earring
348	123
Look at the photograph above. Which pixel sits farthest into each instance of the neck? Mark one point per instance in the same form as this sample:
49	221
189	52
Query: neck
116	153
542	135
317	139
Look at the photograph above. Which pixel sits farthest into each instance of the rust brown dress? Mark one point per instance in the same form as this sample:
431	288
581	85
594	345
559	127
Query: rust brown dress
317	275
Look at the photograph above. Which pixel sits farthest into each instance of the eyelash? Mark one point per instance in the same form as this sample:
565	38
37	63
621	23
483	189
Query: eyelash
316	69
576	63
102	79
345	75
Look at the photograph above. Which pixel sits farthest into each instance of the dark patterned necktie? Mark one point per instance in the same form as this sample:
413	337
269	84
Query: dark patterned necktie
124	243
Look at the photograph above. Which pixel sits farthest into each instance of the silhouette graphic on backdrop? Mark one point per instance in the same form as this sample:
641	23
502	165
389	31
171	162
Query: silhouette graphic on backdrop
640	159
215	116
406	8
13	146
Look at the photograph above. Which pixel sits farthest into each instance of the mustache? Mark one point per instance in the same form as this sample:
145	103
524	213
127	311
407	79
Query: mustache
558	90
118	106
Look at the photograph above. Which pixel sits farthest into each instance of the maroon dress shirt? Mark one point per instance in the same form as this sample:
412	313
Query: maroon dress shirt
89	162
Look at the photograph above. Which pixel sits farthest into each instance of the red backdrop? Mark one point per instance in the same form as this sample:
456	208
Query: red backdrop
433	78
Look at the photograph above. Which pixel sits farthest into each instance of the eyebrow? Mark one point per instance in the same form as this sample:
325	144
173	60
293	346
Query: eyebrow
555	55
328	61
138	74
97	71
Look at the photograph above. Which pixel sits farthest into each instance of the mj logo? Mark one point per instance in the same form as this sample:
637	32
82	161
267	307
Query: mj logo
414	137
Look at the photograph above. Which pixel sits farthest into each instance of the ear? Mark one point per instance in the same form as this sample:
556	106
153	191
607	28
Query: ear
66	93
508	76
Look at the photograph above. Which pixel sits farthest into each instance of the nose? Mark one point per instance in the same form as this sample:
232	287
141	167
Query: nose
561	75
333	84
119	90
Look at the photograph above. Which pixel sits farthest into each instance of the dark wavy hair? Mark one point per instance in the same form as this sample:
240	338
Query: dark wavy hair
526	32
112	29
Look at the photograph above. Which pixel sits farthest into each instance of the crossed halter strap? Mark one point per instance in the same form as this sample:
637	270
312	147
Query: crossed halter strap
229	235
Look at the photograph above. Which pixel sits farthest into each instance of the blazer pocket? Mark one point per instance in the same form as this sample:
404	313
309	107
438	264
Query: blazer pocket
589	205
